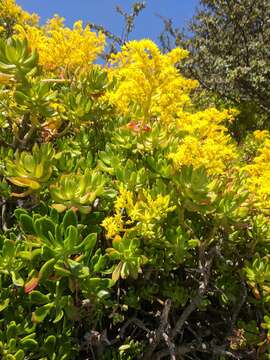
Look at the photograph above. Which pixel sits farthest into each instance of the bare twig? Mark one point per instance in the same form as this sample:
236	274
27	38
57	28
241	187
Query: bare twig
159	333
129	23
4	221
192	347
240	303
134	321
206	271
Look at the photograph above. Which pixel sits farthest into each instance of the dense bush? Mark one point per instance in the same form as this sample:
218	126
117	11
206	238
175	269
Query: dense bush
133	226
229	55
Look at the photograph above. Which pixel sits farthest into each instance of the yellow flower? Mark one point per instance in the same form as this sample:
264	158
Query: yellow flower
61	48
113	225
206	142
143	215
261	135
124	200
258	180
148	81
11	13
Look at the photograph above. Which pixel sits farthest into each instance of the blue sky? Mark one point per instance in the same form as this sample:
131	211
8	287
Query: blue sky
103	12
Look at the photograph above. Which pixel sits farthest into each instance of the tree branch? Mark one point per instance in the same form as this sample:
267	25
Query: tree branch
195	302
160	333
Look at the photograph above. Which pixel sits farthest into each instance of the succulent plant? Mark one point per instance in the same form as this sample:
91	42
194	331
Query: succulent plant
77	191
30	170
16	58
36	98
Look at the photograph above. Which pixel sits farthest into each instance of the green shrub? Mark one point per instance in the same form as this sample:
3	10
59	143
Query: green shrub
129	226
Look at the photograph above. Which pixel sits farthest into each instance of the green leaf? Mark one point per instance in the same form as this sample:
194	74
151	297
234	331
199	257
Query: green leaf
43	226
49	343
79	270
103	294
11	331
88	243
16	278
94	285
71	237
10	357
54	215
46	269
18	212
36	297
41	313
19	355
60	270
59	316
9	248
4	304
100	263
70	218
12	345
29	344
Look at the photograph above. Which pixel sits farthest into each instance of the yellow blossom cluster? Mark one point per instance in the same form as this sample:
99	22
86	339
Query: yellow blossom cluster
142	213
206	141
261	135
11	14
149	85
61	48
150	88
258	179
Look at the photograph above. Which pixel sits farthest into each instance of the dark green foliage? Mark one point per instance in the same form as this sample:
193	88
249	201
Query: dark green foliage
230	55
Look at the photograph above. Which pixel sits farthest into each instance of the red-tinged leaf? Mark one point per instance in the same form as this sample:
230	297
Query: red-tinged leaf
146	128
31	285
133	126
256	293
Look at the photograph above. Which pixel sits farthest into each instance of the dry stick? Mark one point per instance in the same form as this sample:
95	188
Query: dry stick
170	344
240	303
183	350
159	333
4	220
56	81
195	302
134	321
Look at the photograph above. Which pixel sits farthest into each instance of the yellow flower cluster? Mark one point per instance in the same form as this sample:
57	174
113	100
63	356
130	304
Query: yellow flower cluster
150	88
143	214
148	81
206	142
11	13
258	179
261	135
61	48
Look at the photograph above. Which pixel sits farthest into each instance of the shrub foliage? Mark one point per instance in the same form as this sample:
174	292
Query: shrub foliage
229	55
133	226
